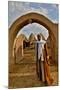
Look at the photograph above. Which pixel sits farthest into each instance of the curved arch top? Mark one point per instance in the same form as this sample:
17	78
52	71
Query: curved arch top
26	19
31	18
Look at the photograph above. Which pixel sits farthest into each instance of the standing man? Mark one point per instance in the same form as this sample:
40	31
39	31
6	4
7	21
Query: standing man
39	57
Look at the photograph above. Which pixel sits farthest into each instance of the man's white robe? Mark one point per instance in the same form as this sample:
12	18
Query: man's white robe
40	49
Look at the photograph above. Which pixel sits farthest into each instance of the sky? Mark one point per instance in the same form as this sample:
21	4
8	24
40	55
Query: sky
17	9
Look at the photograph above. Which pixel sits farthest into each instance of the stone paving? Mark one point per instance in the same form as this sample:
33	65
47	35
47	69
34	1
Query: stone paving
24	74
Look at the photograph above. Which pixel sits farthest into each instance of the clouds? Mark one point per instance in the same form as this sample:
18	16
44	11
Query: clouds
35	29
16	9
55	6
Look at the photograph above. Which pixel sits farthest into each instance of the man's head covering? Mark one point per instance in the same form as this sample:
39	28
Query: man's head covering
38	37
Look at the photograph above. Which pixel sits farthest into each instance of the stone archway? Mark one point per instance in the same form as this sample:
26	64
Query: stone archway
31	18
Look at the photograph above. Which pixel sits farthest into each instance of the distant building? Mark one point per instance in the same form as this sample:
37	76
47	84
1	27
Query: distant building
18	47
32	40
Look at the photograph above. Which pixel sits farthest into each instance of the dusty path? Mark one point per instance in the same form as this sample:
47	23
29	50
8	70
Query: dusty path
24	73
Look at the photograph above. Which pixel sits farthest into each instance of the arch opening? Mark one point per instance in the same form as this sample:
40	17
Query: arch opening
28	35
24	20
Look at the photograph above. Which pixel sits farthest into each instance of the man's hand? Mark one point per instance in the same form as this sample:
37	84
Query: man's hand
47	57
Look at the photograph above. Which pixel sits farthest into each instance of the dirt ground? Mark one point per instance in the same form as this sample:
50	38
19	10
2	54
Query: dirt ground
23	74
